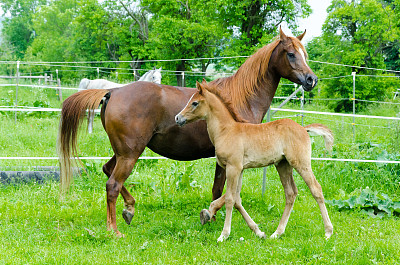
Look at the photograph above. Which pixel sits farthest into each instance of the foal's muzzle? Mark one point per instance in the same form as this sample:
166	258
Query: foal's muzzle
180	120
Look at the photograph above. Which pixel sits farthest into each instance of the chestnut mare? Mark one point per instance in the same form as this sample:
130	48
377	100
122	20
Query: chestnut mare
142	114
240	145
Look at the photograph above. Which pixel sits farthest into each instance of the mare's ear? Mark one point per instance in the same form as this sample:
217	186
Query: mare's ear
281	34
199	87
300	37
154	68
160	68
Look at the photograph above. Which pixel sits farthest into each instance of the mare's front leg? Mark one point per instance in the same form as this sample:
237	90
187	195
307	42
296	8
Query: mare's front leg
219	182
129	201
232	178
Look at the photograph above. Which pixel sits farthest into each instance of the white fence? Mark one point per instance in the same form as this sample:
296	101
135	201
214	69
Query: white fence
99	70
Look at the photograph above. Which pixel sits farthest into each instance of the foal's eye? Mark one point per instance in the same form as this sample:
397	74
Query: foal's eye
291	55
195	103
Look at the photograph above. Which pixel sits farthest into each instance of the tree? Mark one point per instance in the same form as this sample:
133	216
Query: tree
253	23
355	33
183	29
17	28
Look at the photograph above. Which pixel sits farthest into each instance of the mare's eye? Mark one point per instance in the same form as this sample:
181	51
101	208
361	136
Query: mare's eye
195	103
291	55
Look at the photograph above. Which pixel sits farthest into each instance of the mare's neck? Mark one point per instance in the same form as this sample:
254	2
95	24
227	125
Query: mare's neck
218	119
258	105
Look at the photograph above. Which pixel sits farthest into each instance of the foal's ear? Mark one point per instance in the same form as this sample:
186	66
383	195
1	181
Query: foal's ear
281	34
300	37
199	87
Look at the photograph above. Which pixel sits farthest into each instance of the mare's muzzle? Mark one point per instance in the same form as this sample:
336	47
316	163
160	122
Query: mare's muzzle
180	120
309	82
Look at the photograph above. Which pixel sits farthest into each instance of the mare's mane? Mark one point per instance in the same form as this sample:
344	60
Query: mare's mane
226	102
251	75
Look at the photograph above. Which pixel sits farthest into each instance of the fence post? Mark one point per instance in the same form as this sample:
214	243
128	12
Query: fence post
354	105
59	86
264	183
116	75
183	79
16	90
98	73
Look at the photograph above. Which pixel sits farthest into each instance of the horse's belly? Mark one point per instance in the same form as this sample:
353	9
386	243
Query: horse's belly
187	143
266	158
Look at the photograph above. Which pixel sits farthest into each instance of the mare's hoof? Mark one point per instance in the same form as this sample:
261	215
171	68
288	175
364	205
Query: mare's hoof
127	216
204	216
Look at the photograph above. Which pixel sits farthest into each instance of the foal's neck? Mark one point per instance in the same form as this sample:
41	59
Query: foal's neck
218	119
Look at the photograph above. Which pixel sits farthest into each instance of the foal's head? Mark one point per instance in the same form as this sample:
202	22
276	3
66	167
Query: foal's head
200	104
289	60
196	109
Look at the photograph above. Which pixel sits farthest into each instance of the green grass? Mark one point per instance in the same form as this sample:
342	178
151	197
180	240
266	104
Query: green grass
37	227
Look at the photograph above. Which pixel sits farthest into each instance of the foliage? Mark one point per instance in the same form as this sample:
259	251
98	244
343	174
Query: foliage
369	202
355	33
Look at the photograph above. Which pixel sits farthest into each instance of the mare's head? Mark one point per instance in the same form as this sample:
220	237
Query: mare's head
196	108
289	61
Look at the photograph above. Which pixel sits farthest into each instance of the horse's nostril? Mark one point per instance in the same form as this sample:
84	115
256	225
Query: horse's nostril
310	80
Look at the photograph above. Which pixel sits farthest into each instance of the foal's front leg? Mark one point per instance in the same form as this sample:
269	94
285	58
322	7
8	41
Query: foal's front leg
232	178
238	205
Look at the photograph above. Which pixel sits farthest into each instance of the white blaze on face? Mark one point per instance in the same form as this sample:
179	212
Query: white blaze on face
304	59
302	55
186	104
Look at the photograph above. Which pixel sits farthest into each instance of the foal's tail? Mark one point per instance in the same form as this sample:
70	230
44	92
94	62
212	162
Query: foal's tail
72	114
316	129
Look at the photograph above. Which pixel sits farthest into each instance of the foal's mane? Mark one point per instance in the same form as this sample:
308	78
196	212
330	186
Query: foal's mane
228	104
251	75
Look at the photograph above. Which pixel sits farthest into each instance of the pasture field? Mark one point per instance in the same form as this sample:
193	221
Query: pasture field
37	227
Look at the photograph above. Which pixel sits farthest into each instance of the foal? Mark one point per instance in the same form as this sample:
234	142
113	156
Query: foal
240	145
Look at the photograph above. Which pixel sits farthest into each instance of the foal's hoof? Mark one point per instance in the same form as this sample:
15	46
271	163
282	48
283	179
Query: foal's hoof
204	216
127	216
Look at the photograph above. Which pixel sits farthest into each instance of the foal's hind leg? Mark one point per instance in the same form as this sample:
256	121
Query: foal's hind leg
286	176
129	210
316	191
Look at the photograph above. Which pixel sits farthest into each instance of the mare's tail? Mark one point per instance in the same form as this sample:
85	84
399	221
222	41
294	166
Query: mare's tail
72	114
316	129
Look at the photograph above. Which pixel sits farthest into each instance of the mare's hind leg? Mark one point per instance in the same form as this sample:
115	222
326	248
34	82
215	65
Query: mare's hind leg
286	176
115	184
129	201
316	190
